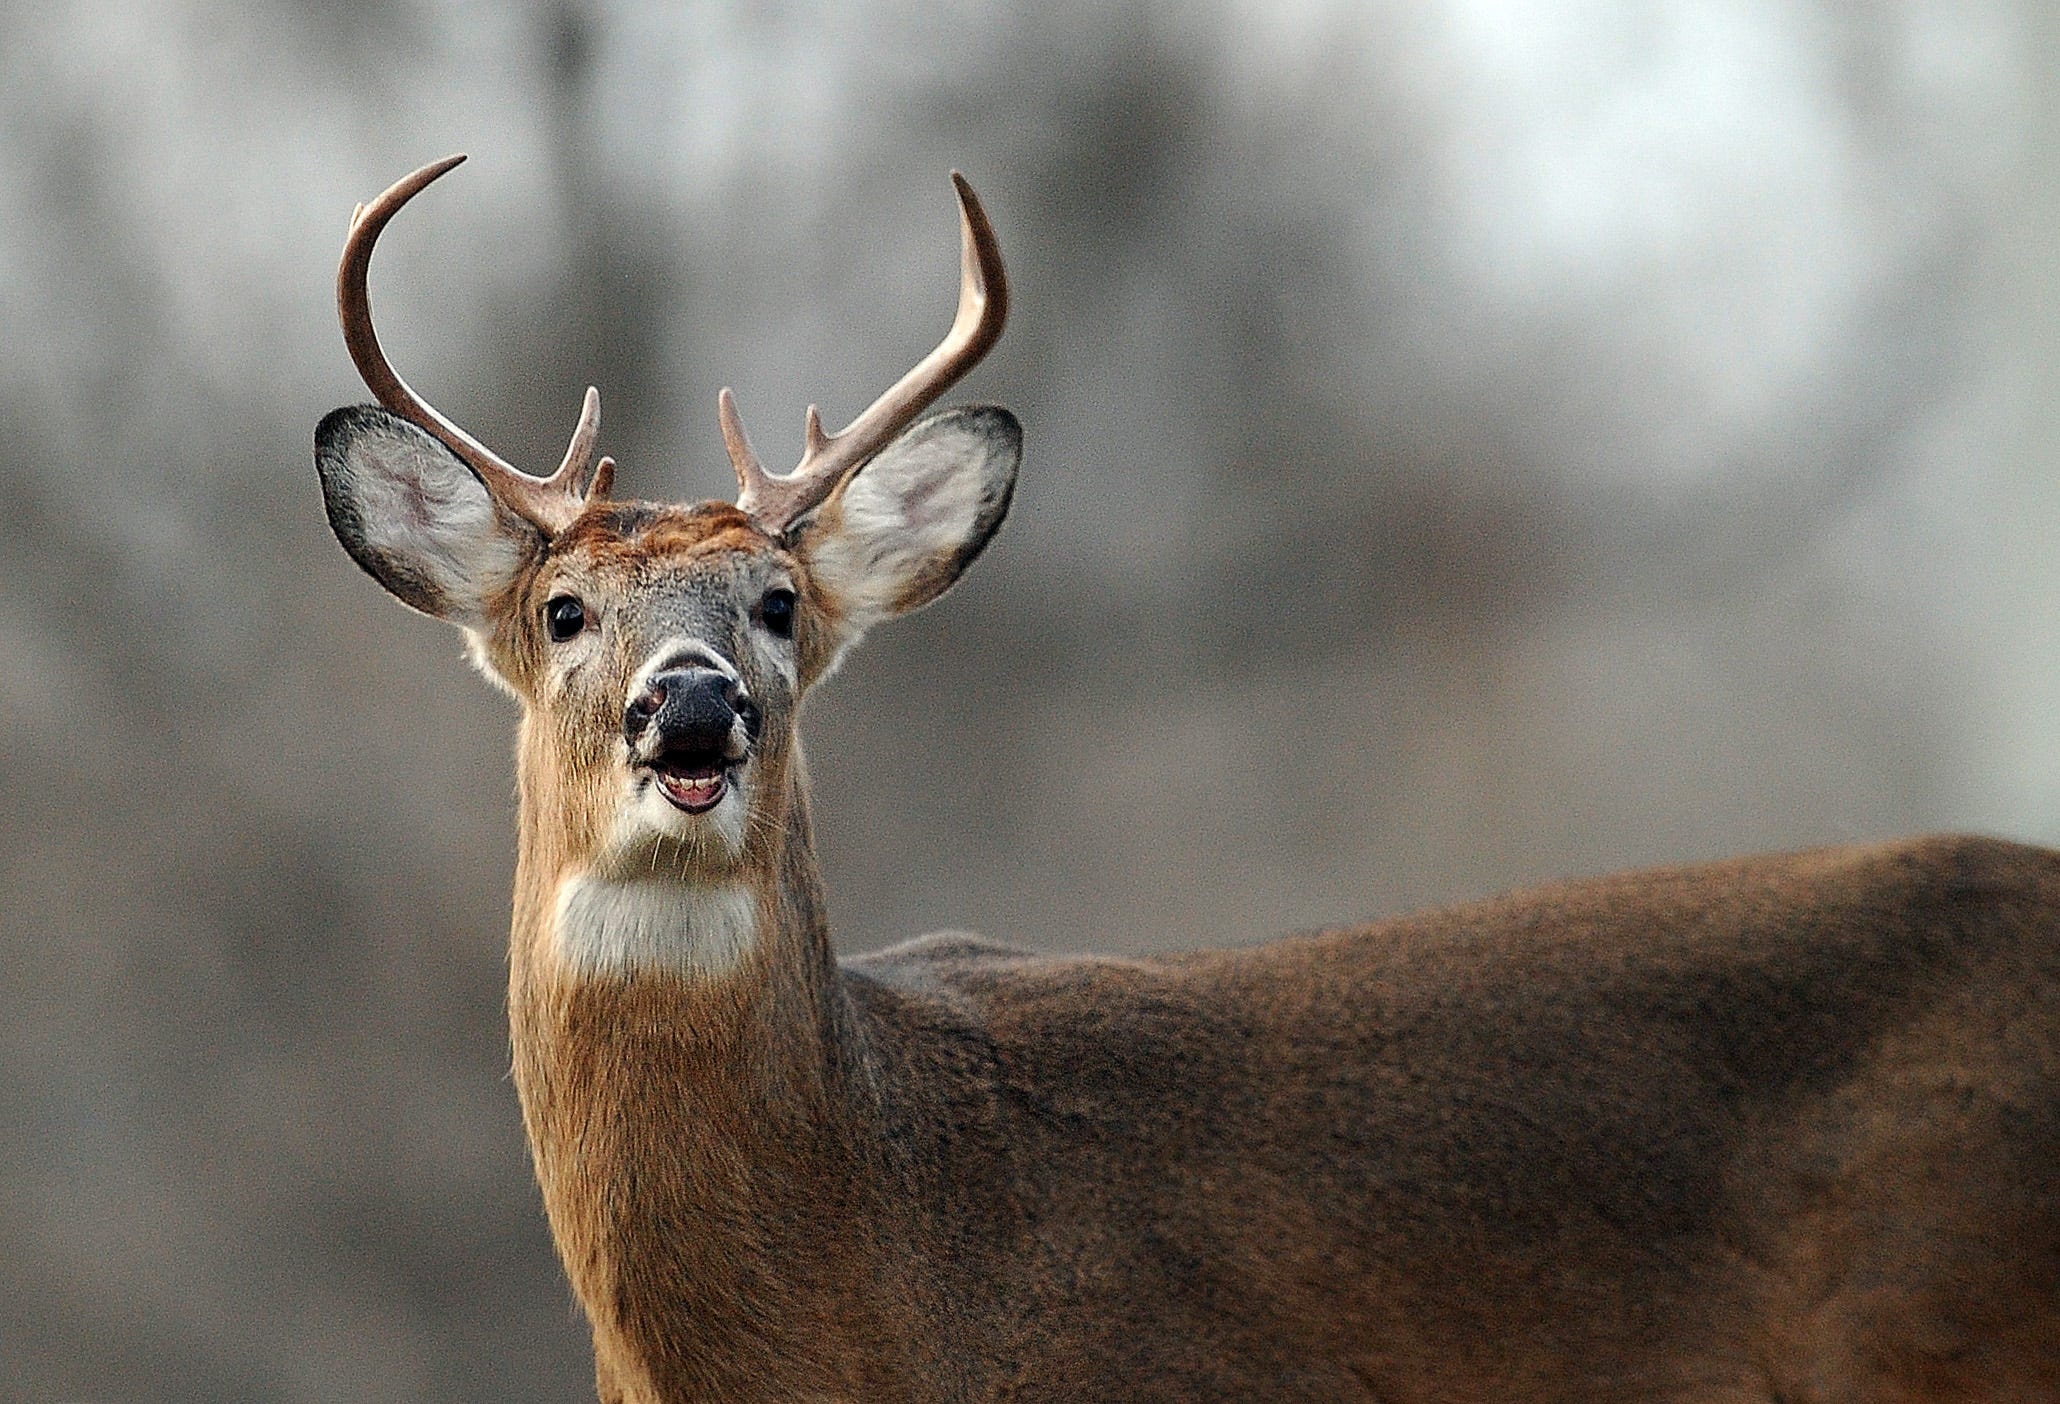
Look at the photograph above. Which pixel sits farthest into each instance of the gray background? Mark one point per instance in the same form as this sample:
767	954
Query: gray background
1469	441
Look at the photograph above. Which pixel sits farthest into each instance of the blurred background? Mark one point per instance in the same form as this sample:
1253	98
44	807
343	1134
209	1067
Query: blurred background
1469	442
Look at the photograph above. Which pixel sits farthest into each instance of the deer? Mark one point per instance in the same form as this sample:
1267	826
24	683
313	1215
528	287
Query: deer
1780	1129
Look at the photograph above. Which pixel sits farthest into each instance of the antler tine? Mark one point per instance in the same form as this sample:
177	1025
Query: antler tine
572	469
548	503
827	459
751	474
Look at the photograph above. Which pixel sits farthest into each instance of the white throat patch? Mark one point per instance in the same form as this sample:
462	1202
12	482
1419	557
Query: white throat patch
655	926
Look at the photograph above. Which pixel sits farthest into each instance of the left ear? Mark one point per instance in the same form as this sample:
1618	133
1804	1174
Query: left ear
904	527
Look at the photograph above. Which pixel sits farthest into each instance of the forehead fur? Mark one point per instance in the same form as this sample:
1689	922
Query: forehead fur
626	532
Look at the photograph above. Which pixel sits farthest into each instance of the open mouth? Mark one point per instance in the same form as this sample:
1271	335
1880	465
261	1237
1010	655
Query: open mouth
695	781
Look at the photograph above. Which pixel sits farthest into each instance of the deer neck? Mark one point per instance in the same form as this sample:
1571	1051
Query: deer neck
688	1069
596	914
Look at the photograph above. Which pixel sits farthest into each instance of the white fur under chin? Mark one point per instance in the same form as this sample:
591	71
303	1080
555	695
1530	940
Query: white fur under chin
654	926
713	839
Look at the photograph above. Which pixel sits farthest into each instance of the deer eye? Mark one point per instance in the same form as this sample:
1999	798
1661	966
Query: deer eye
776	612
564	616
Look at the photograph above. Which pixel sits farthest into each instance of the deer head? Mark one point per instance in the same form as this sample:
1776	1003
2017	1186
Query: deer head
661	651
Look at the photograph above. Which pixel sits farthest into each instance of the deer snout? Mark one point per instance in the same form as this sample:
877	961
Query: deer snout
688	728
690	711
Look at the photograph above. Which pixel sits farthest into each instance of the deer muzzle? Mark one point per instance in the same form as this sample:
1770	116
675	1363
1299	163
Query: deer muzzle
690	727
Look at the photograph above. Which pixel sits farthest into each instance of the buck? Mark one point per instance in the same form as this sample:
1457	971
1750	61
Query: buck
1779	1129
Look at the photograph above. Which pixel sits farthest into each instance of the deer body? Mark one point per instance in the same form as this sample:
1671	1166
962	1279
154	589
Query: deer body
1783	1129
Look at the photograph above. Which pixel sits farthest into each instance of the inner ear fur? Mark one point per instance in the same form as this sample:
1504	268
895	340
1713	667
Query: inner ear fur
416	518
902	529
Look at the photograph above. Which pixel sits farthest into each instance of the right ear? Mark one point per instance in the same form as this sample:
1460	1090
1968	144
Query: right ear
416	518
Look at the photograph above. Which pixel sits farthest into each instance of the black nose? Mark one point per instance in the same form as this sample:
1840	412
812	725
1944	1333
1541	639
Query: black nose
690	709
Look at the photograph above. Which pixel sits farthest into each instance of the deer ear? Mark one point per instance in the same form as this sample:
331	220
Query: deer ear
415	517
901	529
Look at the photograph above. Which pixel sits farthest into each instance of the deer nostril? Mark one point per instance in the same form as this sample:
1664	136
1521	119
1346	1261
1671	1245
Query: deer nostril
644	706
740	703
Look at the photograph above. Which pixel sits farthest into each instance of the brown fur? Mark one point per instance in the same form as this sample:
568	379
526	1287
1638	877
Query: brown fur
1780	1129
1784	1129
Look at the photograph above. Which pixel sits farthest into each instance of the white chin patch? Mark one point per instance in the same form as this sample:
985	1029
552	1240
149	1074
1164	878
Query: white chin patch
654	926
715	834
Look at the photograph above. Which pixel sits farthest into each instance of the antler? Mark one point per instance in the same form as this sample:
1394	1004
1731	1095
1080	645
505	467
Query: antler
548	503
983	305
